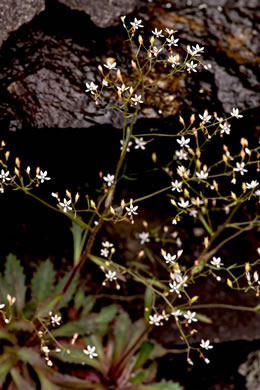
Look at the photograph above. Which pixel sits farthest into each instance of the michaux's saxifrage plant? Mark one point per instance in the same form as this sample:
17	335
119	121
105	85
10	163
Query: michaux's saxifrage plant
41	346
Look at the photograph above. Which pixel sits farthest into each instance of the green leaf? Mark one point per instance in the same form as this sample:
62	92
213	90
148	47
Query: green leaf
78	240
203	318
148	303
48	305
82	327
27	355
6	364
143	354
15	279
46	384
43	281
98	260
161	386
88	304
21	325
19	381
5	335
106	315
77	356
158	284
138	378
71	291
121	334
71	382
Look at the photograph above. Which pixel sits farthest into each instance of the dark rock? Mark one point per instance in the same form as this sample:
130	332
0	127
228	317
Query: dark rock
103	13
14	13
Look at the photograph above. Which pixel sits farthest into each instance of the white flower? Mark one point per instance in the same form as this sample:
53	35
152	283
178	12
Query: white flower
107	244
193	213
4	176
252	185
225	128
104	252
175	287
216	261
191	67
110	65
111	275
131	209
155	51
174	60
109	179
43	176
181	170
184	203
257	192
235	113
123	88
144	237
202	174
206	344
2	305
183	142
181	155
45	349
176	185
172	41
157	33
190	316
128	146
55	320
174	222
137	99
140	143
169	258
240	168
91	87
205	117
170	32
176	313
195	50
136	23
90	351
65	205
155	320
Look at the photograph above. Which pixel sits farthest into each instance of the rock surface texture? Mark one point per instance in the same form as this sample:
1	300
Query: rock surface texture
103	13
14	13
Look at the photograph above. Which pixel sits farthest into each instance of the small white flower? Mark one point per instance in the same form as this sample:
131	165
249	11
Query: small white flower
43	176
155	51
169	258
107	244
174	60
205	117
4	176
240	168
131	209
181	155
183	142
206	344
110	65
157	33
140	143
252	185
171	41
137	99
184	203
123	88
109	179
55	320
193	213
176	185
174	221
170	31
176	313
175	287
190	316
202	175
225	128
235	113
155	319
128	146
91	87
196	50
216	261
181	170
65	205
90	351
191	67
2	305
111	275
136	23
104	252
144	237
